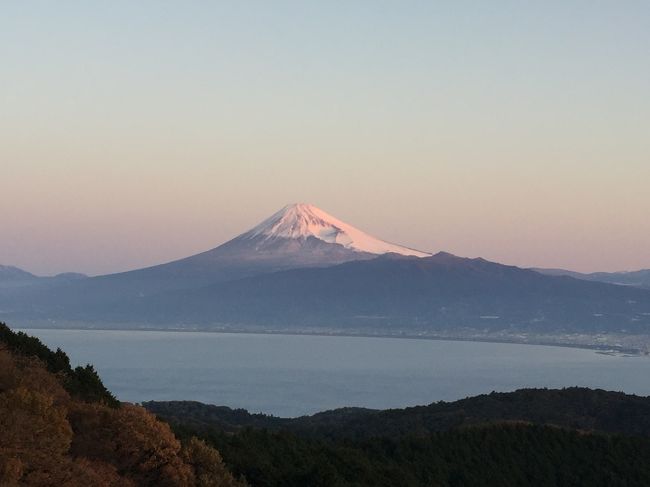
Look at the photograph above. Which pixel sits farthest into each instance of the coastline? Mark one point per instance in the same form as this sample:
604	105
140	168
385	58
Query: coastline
546	341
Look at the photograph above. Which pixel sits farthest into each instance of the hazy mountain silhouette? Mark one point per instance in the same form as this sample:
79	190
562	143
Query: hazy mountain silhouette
640	278
396	292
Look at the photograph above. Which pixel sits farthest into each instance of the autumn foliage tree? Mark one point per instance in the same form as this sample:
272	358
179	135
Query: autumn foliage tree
60	426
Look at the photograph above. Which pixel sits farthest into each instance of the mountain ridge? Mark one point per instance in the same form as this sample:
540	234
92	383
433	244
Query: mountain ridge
411	294
639	278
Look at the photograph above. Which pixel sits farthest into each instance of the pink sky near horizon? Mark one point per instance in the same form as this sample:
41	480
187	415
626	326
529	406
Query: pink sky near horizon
144	132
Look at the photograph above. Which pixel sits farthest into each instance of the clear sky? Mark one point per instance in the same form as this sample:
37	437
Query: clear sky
133	133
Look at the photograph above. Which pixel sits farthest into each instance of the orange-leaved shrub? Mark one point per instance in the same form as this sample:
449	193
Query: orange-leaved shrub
50	437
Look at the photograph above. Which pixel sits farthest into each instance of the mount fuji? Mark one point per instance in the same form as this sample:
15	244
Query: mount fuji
298	236
304	270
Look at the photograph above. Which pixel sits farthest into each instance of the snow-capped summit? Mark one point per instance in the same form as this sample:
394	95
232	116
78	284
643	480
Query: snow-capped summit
301	221
297	237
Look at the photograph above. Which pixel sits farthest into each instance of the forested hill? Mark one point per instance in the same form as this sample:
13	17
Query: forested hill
576	408
60	426
532	437
498	455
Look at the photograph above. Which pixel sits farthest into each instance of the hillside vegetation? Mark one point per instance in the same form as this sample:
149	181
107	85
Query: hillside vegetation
574	408
569	437
60	426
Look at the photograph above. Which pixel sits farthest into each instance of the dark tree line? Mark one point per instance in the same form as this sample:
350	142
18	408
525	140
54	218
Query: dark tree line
545	437
493	455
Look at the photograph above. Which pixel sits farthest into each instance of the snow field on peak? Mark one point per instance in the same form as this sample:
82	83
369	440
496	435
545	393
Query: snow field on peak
300	221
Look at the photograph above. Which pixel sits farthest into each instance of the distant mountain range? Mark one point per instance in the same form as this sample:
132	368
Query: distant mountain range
11	276
639	278
304	270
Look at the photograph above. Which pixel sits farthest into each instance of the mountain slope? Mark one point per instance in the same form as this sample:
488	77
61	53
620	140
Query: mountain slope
411	294
10	273
13	277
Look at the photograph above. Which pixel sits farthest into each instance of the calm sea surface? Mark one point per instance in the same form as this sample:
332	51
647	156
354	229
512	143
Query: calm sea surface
289	375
